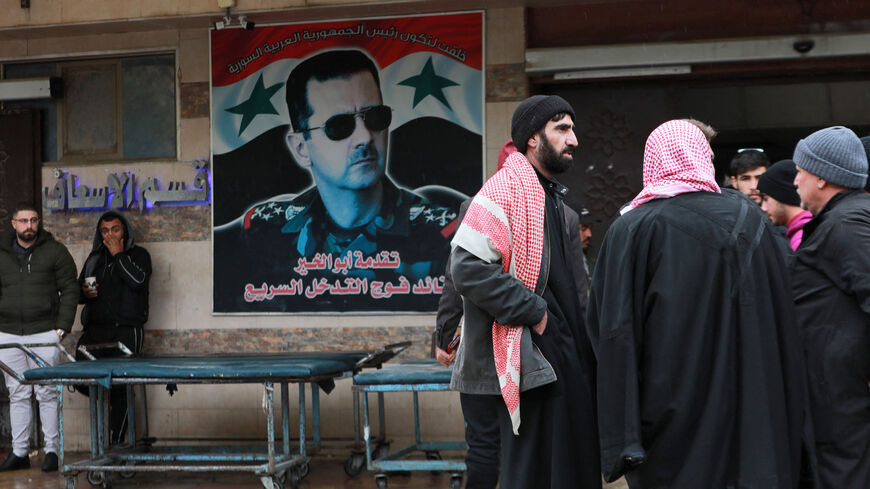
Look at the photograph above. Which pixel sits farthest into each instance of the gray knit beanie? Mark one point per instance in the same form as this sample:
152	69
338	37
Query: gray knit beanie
532	114
834	154
866	142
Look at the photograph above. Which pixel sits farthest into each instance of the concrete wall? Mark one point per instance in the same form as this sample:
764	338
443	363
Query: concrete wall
179	240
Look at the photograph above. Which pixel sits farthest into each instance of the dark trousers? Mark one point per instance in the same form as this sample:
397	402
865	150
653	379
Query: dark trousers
482	436
132	337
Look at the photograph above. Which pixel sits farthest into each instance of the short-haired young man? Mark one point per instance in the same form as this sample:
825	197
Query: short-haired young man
745	168
116	308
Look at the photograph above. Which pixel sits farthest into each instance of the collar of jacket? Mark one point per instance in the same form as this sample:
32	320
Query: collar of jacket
826	210
394	217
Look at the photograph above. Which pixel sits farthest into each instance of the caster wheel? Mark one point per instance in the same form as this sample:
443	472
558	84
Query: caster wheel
455	481
433	455
382	451
293	479
381	481
354	464
127	475
304	470
71	482
96	478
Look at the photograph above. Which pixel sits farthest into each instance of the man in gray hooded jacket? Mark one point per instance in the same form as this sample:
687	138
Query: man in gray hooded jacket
116	308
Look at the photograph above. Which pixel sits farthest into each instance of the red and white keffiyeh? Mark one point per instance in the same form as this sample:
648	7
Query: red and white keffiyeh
505	221
677	159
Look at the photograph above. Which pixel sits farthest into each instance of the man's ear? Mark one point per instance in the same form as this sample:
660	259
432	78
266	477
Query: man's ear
733	181
299	149
533	141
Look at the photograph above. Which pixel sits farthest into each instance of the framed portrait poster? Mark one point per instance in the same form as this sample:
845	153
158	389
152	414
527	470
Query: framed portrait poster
341	153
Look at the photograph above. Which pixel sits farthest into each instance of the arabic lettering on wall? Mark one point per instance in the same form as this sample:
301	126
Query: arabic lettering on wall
120	192
353	260
360	30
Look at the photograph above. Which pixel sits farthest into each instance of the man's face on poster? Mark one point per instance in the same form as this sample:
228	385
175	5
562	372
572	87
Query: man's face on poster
357	161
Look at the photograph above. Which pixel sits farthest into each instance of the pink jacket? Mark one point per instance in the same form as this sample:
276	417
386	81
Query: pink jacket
795	231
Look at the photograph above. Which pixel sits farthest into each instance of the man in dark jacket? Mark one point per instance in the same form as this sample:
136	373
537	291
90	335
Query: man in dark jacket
700	377
116	308
37	305
523	336
831	283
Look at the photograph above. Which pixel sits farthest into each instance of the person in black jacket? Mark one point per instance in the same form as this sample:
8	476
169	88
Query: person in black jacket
116	308
831	284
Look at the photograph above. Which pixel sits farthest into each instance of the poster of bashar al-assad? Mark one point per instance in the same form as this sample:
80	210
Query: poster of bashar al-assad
341	153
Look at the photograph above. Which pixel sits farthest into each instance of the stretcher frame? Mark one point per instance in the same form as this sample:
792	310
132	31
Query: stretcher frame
383	462
276	466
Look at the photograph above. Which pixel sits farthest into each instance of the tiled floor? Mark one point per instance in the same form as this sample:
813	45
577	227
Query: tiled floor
327	472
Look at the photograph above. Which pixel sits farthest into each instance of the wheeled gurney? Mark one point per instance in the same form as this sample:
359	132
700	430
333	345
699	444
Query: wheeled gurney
408	377
275	463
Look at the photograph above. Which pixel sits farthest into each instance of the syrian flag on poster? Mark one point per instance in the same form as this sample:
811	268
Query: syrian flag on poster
430	73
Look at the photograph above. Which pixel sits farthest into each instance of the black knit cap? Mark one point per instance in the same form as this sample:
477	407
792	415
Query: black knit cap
532	114
778	182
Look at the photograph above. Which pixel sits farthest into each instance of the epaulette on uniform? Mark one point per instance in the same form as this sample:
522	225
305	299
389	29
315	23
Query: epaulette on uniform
272	213
431	215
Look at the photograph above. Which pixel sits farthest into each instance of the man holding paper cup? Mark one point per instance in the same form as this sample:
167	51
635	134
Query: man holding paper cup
114	285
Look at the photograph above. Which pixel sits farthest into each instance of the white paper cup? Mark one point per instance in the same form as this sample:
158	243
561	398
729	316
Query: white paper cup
91	282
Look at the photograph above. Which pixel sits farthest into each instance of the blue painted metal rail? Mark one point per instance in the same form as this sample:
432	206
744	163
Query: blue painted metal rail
275	461
414	378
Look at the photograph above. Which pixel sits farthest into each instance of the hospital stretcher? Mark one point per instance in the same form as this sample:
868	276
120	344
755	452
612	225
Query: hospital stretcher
275	463
412	377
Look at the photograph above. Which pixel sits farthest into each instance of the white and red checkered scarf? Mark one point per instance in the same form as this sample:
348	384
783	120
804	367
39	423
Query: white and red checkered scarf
677	159
505	222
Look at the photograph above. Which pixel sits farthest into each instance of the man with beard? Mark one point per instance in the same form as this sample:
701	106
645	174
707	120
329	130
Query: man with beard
700	372
781	203
340	133
116	306
746	167
524	337
38	297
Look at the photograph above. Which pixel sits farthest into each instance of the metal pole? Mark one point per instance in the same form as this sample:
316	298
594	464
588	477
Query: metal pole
285	416
270	425
302	418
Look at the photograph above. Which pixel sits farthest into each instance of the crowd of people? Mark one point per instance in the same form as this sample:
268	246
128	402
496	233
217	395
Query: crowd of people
39	293
726	339
723	340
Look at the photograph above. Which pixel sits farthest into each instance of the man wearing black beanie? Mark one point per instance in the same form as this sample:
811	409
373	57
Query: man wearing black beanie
524	338
780	200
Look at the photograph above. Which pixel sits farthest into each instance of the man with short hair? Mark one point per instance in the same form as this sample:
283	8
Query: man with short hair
746	167
523	336
116	308
830	277
339	132
780	201
700	374
38	297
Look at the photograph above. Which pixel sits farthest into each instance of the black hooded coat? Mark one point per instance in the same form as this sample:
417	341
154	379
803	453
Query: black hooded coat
122	285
